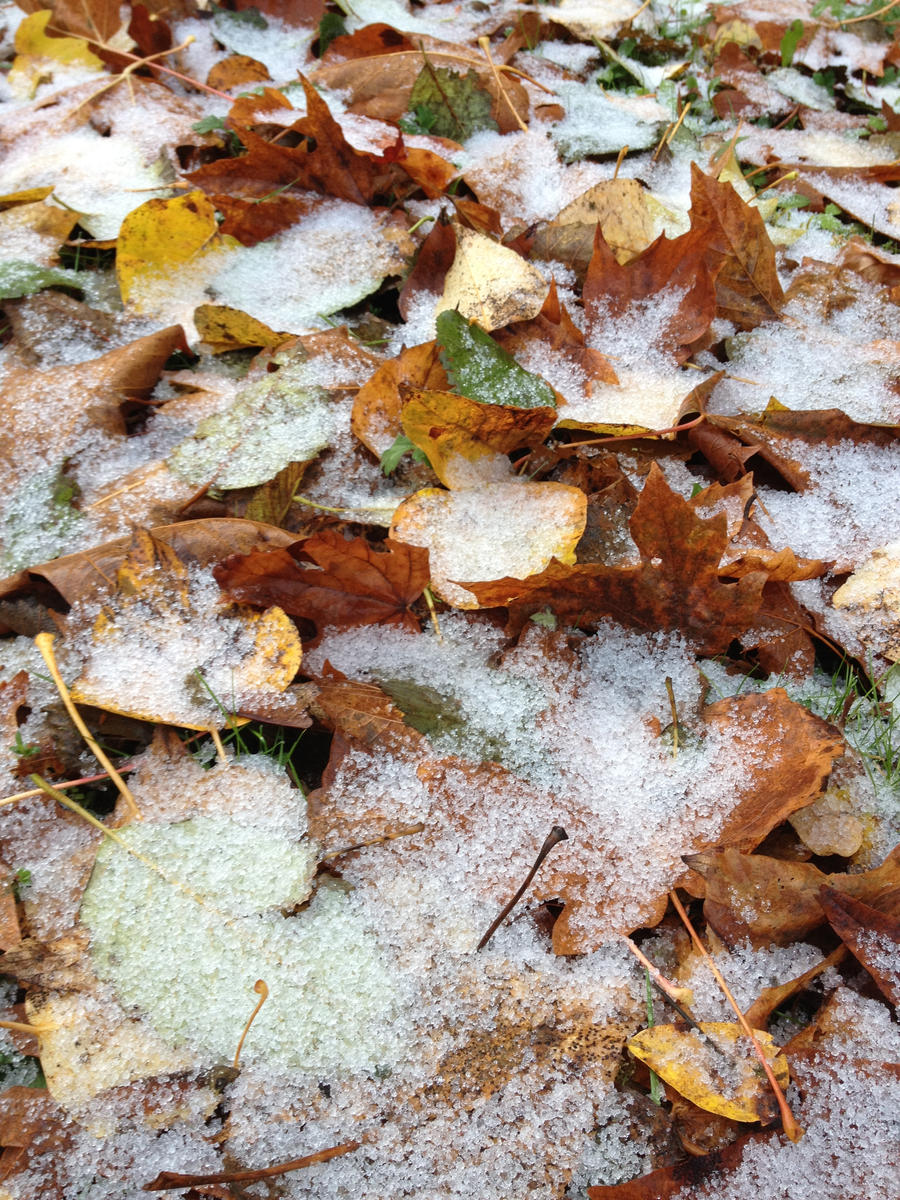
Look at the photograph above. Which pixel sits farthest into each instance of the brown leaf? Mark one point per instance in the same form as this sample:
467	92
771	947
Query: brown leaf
554	328
676	585
433	261
667	1182
10	934
61	406
235	70
771	998
772	900
352	582
90	573
677	264
872	936
788	753
37	1135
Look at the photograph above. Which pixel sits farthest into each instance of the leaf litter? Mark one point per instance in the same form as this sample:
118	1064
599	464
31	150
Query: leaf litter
420	439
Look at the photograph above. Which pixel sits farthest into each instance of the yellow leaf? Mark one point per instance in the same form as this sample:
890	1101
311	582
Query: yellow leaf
622	209
871	600
162	245
511	528
165	648
32	41
34	232
223	328
491	284
715	1068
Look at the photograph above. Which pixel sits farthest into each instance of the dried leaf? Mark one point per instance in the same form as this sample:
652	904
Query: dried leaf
679	265
676	585
739	252
491	284
715	1067
871	599
872	936
772	900
224	329
378	403
498	530
456	433
331	581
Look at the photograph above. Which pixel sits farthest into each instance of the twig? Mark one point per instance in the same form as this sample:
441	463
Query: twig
556	834
485	44
69	783
790	1126
263	992
44	643
170	1180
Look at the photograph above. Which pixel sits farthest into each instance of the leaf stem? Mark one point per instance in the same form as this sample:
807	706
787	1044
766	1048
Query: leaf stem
556	834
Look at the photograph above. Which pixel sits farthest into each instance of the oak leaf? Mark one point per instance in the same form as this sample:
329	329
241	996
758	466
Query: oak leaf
676	586
331	581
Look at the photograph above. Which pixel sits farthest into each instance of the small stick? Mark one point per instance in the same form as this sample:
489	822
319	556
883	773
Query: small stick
170	1180
22	1027
485	44
432	612
263	992
556	834
69	783
622	154
217	741
44	643
376	841
790	1126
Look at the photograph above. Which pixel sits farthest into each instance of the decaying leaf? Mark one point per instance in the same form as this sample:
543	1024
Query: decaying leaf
676	585
195	662
331	581
715	1067
871	935
871	598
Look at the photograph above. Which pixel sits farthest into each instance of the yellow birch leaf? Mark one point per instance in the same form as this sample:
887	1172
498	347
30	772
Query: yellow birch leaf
33	42
715	1068
167	249
490	283
511	528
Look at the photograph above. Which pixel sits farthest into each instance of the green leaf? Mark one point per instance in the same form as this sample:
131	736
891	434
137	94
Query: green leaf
481	370
459	105
390	459
330	27
208	125
24	279
790	42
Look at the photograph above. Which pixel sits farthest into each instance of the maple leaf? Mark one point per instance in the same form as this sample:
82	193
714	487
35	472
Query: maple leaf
331	581
676	586
678	264
739	252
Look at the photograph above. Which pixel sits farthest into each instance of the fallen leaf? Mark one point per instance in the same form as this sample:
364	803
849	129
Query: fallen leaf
871	599
676	585
457	106
224	329
37	54
504	530
491	284
772	900
872	936
666	1183
194	659
480	369
378	403
619	207
678	265
714	1067
739	252
331	581
462	437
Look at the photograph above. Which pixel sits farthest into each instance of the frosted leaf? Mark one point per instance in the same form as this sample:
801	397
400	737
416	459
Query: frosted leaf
490	532
275	421
330	994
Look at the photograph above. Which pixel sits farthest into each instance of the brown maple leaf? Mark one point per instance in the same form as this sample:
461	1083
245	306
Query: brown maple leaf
680	264
738	251
675	586
331	581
